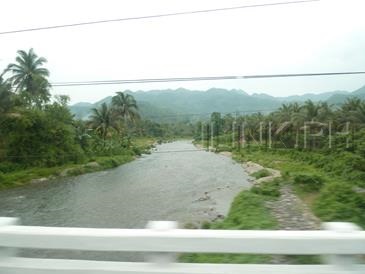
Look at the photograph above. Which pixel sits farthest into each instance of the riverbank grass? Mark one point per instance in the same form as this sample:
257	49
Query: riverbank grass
330	195
19	176
30	175
247	212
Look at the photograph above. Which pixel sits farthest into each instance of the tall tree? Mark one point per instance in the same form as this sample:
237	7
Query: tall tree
102	120
217	122
30	77
5	96
351	104
125	107
311	109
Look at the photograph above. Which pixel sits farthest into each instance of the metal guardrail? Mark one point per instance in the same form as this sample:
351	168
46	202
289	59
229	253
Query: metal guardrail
340	244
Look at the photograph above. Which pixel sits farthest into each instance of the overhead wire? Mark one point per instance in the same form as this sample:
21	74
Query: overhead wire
199	78
154	16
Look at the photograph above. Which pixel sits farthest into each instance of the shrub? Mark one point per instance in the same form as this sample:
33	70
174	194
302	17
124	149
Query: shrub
137	151
190	226
309	182
2	178
271	189
261	173
206	225
6	167
339	202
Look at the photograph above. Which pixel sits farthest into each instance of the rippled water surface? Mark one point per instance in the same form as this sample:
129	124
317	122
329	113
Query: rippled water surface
176	182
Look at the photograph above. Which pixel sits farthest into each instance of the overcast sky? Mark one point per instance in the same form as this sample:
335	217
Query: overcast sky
324	36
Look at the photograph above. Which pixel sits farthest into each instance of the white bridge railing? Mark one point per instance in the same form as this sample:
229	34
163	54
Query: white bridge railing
341	244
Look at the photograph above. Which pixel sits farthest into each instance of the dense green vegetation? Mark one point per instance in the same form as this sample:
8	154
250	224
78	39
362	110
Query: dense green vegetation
318	148
331	197
40	137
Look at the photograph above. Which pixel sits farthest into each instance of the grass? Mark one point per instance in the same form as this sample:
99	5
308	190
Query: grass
25	176
143	142
21	177
289	168
328	193
247	211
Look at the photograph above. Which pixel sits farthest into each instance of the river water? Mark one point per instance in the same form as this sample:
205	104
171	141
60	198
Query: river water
176	182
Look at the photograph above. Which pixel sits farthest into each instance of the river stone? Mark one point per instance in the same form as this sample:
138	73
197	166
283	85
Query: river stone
92	164
65	172
37	181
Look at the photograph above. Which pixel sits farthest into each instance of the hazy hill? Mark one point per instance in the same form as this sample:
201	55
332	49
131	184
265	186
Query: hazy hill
338	99
187	101
157	104
81	110
314	97
182	104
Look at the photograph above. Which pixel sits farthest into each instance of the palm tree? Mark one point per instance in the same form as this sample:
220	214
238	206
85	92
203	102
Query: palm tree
290	116
325	111
29	77
101	120
352	111
5	96
125	107
351	104
311	109
284	113
297	119
361	112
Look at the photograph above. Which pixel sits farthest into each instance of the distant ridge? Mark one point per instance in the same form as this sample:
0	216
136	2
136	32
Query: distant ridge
173	105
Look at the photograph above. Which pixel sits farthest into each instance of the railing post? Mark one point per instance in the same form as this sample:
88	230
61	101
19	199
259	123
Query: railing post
342	262
162	258
6	251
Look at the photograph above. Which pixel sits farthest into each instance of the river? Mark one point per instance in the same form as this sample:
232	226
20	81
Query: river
176	182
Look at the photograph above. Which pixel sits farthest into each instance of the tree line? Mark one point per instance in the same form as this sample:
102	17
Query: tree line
309	125
331	138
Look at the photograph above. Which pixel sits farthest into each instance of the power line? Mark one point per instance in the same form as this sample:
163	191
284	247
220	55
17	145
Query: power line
193	79
155	16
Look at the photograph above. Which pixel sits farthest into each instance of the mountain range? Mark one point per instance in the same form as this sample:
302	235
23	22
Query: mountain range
183	104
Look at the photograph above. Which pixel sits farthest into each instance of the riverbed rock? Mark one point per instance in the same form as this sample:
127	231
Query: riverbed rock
226	153
66	172
251	167
39	180
92	165
359	189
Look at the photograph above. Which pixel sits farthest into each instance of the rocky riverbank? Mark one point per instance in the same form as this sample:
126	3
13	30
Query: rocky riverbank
289	210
